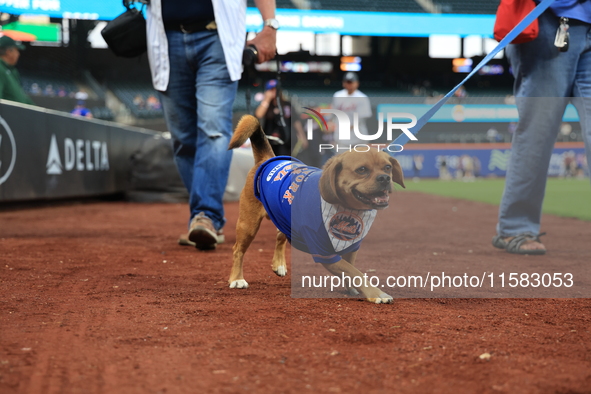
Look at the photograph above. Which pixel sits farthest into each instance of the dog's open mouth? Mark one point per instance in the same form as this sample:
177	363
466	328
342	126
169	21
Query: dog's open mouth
378	199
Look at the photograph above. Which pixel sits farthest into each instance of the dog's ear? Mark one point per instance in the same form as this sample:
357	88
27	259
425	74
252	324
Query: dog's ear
397	173
328	180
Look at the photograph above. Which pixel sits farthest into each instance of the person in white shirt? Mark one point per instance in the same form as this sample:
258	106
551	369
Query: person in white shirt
195	53
351	100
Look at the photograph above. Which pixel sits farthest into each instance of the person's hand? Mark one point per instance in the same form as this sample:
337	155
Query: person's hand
265	43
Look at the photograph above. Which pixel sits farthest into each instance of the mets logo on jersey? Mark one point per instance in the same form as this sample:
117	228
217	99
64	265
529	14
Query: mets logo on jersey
345	226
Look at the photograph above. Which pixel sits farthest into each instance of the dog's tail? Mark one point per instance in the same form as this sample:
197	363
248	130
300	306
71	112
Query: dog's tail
249	127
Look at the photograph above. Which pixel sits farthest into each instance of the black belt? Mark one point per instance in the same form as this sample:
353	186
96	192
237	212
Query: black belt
191	27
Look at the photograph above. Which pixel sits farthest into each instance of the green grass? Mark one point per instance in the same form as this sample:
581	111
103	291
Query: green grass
564	197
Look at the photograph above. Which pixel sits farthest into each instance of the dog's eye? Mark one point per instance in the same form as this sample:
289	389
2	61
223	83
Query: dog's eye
388	168
361	170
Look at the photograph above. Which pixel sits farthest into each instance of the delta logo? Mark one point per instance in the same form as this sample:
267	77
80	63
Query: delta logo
7	151
79	155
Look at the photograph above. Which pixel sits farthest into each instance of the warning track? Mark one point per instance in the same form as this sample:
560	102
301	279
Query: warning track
96	297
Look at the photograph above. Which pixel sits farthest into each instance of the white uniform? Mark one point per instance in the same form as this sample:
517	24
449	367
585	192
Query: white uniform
358	103
230	17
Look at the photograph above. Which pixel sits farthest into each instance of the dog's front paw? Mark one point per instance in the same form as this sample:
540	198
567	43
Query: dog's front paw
382	299
281	270
239	284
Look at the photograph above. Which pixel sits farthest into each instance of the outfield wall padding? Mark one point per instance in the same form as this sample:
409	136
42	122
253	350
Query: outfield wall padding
47	154
486	159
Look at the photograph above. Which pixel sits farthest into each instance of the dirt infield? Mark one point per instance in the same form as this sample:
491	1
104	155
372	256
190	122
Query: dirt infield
96	297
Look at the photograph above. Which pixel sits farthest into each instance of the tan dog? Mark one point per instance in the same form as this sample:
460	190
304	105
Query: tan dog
354	180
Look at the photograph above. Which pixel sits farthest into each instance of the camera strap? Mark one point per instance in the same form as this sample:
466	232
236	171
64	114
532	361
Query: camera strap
247	94
129	3
248	70
278	97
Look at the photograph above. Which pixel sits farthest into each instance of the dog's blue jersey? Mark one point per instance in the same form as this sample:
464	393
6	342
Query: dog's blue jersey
271	180
288	189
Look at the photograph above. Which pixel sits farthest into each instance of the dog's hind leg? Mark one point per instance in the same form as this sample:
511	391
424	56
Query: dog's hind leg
279	264
249	221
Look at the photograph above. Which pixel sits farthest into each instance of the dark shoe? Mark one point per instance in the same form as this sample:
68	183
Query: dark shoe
514	244
202	232
499	242
221	236
184	239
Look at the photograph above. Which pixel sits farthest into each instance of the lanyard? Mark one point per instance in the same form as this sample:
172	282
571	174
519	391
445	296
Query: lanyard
535	13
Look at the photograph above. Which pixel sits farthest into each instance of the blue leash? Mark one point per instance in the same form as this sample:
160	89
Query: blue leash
535	13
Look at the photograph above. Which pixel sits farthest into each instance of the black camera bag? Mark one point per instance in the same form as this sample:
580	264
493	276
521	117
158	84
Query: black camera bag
126	34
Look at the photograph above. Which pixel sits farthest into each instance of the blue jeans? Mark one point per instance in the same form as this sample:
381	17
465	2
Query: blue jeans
545	81
198	110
